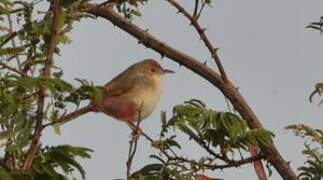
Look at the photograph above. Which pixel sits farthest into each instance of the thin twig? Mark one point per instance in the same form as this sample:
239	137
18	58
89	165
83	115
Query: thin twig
201	9
203	36
42	90
133	144
223	166
70	116
13	69
13	42
196	6
10	37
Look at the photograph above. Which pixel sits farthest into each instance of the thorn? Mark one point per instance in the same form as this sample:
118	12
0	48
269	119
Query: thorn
204	29
180	65
162	55
146	30
205	62
216	50
139	42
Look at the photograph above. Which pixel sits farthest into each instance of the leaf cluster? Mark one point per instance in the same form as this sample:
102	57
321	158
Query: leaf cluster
25	33
313	167
223	130
220	134
53	163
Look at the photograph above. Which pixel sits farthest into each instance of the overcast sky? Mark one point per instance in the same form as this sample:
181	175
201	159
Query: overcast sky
264	47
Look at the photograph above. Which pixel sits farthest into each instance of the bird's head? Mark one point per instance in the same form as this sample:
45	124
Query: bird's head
152	68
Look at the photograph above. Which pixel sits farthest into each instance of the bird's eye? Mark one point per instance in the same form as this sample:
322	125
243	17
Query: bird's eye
153	70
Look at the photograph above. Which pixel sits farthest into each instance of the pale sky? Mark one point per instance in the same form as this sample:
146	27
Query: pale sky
264	47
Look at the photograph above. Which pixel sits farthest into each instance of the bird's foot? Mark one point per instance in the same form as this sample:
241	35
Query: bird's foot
136	132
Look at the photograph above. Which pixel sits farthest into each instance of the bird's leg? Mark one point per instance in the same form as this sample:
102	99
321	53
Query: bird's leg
136	131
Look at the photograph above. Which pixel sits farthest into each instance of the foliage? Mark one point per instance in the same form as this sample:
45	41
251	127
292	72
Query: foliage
25	33
220	134
313	167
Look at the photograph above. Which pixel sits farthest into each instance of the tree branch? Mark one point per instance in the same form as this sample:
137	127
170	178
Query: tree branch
228	165
228	89
42	90
23	74
258	166
71	116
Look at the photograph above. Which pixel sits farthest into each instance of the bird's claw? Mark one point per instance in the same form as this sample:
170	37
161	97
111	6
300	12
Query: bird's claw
136	132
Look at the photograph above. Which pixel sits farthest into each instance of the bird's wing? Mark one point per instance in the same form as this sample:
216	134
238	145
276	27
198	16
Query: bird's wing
122	84
117	89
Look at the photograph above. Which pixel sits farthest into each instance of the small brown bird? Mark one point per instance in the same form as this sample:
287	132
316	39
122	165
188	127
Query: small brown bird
133	93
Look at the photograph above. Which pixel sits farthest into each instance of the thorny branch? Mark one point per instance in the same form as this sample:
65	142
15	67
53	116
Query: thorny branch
201	32
54	7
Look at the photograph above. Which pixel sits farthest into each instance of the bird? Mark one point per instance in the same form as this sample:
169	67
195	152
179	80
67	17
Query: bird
134	93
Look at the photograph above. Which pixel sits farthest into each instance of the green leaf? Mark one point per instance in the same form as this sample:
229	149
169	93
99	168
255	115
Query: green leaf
56	126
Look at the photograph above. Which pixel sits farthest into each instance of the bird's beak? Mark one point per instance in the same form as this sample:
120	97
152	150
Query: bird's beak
168	71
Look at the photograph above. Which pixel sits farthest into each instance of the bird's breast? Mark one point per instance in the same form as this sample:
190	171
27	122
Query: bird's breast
147	97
